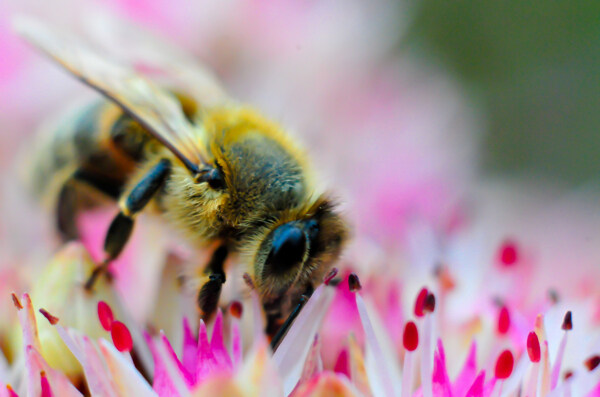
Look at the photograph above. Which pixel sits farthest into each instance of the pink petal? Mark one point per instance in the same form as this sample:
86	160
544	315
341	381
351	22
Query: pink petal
56	382
467	375
441	382
236	342
98	380
28	323
207	363
595	392
190	348
217	344
291	353
128	380
378	370
162	383
189	377
313	364
476	390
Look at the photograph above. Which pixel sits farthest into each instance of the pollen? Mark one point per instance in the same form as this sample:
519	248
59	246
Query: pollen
354	283
429	306
105	315
236	309
16	301
533	347
51	319
504	365
592	362
121	336
567	324
411	336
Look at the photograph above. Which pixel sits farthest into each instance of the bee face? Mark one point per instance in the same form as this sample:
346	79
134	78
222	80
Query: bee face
299	251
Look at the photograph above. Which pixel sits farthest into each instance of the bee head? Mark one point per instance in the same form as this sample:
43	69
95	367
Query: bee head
299	251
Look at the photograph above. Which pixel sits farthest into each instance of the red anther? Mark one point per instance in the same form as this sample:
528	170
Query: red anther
410	340
533	347
16	301
105	315
504	365
429	306
121	336
332	273
508	254
567	324
568	375
592	362
354	282
45	385
420	302
503	321
236	309
51	319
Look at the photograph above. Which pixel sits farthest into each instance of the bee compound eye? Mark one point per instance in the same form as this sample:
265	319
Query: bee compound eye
288	248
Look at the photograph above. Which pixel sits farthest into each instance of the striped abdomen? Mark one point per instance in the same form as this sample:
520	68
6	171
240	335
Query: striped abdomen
93	150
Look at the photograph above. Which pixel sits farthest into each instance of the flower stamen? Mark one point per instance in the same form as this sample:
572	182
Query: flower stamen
567	326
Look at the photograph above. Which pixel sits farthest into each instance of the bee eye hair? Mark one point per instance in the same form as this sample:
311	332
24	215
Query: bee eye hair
288	248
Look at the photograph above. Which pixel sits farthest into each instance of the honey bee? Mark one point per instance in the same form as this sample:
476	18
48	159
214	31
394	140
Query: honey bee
217	170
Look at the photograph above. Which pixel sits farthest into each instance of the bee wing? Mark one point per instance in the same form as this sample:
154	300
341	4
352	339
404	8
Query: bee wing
143	48
154	108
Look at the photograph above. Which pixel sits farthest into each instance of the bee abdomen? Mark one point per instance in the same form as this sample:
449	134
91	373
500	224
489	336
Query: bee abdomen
97	146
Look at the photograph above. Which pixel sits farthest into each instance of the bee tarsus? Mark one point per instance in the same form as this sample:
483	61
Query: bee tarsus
121	226
208	297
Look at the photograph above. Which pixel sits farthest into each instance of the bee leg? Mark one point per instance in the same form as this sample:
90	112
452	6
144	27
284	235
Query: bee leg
122	225
66	212
208	297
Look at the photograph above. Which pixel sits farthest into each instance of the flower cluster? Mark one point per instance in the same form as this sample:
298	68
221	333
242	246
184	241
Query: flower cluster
467	288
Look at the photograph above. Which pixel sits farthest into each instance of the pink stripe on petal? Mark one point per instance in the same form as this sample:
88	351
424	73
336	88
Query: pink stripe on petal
162	383
189	356
51	381
217	344
476	390
28	323
188	376
468	373
126	377
236	342
206	359
441	382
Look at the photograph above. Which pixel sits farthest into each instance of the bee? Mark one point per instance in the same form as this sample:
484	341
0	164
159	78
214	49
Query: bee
215	169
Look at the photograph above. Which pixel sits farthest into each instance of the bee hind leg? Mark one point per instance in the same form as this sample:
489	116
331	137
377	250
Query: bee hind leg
66	210
208	297
122	225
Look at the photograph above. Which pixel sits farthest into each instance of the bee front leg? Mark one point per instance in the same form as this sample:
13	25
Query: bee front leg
208	297
122	225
